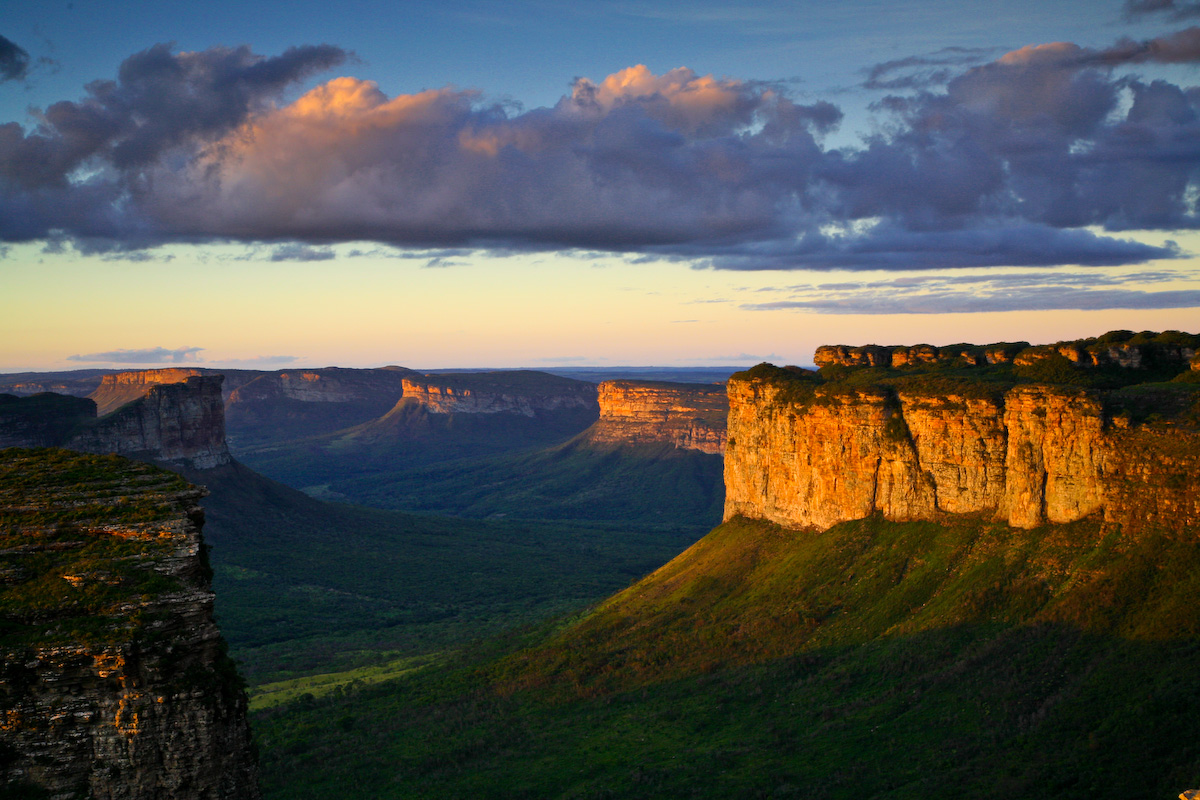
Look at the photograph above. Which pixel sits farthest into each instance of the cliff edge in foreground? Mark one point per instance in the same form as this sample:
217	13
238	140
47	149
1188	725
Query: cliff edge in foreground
115	679
1035	439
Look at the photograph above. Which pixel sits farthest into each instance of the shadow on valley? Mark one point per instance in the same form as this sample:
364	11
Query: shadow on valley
874	659
305	586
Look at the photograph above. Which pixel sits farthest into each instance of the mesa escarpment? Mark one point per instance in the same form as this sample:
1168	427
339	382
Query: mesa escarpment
686	416
120	388
808	453
181	423
1171	350
115	681
524	392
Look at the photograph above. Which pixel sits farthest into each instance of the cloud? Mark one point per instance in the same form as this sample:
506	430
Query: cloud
968	294
153	355
296	251
14	61
1041	157
919	72
1184	9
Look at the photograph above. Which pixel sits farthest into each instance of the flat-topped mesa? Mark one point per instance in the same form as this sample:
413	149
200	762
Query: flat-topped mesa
1123	349
524	392
687	415
123	387
327	385
181	423
808	454
116	683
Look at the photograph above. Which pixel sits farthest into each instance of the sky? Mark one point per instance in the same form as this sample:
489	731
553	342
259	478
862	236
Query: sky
526	183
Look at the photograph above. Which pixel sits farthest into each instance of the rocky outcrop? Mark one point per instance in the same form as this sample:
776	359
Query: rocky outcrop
687	416
524	392
1121	349
124	387
115	683
822	454
178	423
328	385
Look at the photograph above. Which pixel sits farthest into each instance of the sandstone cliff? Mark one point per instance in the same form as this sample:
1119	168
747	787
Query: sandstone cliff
808	454
174	422
179	423
687	416
120	388
329	385
1171	350
115	680
524	392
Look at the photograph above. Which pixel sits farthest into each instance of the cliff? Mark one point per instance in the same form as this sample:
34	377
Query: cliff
115	680
269	408
120	388
1171	351
687	416
180	423
524	392
809	454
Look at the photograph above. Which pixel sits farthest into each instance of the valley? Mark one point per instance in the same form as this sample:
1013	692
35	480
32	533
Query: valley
914	572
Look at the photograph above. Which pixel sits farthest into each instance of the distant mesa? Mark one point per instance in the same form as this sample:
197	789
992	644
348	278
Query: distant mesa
177	423
123	387
524	392
686	416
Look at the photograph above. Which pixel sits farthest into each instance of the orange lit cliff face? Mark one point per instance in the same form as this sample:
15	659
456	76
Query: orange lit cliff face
1028	455
123	387
688	416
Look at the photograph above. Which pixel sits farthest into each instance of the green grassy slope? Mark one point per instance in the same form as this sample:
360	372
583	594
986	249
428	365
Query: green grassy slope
651	486
305	586
876	659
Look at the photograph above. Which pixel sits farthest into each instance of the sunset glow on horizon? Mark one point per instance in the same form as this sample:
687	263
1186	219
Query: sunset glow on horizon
279	208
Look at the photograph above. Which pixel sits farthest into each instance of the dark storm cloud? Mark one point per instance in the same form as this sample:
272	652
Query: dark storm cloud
159	101
14	61
1183	9
153	355
1033	159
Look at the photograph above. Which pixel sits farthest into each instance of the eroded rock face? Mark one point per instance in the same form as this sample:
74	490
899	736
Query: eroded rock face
174	422
329	385
180	423
1133	354
1036	454
512	392
688	416
116	686
124	387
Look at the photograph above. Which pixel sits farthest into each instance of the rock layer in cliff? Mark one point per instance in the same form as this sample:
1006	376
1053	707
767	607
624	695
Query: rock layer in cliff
809	453
686	416
179	423
115	681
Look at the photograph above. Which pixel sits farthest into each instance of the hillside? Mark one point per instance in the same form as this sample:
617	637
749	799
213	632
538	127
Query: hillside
931	645
652	459
306	586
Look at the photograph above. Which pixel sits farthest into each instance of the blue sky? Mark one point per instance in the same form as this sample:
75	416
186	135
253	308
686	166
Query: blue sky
520	184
